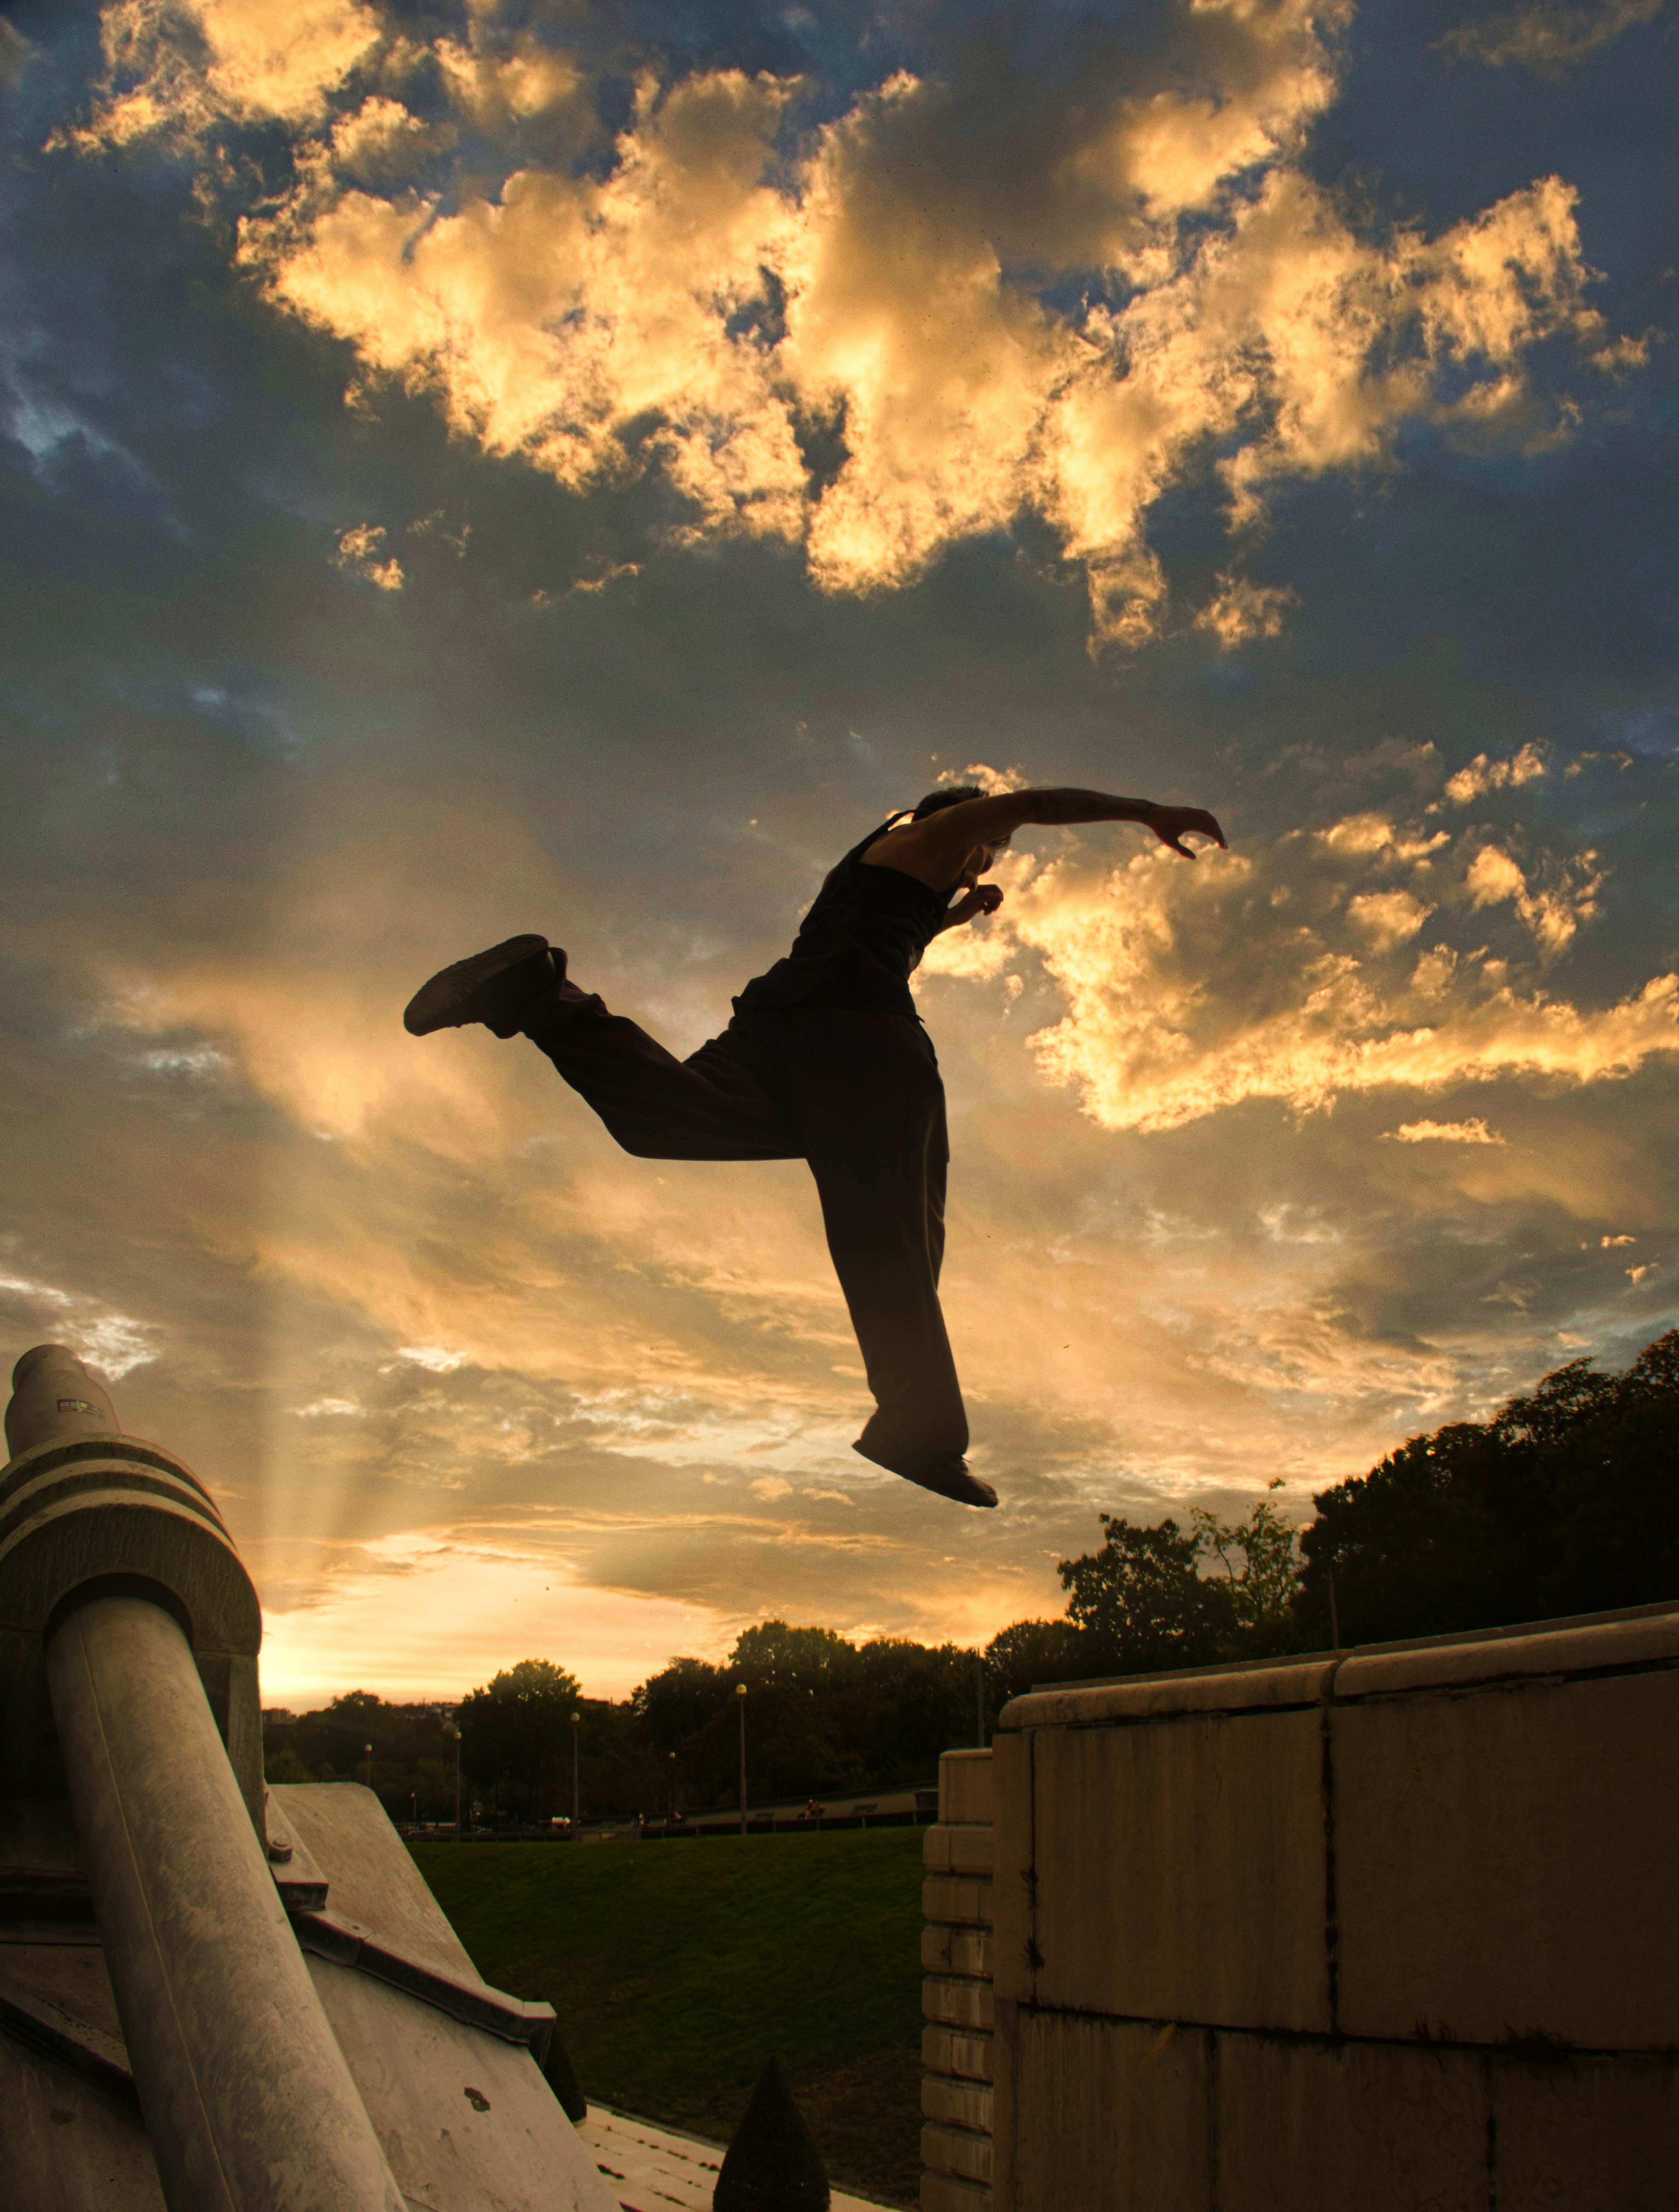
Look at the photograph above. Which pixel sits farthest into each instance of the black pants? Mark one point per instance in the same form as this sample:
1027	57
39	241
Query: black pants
853	1089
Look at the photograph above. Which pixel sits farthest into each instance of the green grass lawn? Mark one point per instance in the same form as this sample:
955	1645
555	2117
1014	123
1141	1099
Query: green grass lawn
677	1968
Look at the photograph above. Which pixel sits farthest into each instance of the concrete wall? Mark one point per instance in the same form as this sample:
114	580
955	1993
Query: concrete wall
956	1995
1394	1929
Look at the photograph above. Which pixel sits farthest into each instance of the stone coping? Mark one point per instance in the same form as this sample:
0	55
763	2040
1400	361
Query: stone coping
1634	1636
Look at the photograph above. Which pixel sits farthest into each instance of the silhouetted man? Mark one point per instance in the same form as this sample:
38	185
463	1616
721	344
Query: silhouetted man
825	1060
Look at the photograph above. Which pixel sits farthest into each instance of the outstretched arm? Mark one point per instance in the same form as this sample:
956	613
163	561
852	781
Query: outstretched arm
934	850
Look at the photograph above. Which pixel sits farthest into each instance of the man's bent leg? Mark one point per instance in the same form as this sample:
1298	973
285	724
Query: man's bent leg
713	1107
864	1089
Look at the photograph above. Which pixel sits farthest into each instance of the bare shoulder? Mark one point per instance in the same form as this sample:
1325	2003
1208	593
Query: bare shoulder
909	851
932	850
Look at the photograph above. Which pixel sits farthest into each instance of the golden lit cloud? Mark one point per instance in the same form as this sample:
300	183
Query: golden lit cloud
1472	1132
1547	37
727	290
1289	973
1243	609
359	549
179	67
1481	775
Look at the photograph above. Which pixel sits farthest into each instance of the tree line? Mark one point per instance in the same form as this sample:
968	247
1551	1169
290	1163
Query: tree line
1562	1502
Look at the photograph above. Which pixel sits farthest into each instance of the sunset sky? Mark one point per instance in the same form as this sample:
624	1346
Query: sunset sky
472	468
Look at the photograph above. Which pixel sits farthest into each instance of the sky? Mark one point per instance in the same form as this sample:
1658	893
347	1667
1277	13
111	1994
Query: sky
474	466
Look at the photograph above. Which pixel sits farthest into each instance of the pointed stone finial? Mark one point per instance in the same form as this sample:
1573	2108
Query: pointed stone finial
561	2076
773	2164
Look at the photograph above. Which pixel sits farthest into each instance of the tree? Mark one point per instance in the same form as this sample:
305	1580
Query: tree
679	1700
1562	1502
1262	1590
1141	1602
515	1738
1034	1651
772	1654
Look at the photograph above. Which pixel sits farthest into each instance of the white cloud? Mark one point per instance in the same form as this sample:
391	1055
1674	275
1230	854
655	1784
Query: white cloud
113	1342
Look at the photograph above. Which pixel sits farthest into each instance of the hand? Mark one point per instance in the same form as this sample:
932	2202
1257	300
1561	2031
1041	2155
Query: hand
980	899
1171	824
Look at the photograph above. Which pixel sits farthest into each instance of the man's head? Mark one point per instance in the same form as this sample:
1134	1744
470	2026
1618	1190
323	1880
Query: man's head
953	794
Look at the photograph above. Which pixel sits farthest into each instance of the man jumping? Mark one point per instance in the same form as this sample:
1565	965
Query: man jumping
825	1060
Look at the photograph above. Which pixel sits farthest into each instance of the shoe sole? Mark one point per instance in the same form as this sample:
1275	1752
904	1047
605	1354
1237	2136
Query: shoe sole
441	1002
958	1486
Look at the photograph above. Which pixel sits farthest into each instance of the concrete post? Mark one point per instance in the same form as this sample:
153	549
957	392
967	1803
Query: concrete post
247	2100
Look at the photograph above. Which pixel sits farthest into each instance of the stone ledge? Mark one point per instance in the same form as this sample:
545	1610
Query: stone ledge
1651	1641
1215	1690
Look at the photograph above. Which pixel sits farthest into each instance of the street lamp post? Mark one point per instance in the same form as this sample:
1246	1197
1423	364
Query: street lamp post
979	1699
454	1731
740	1703
367	1751
673	1789
576	1800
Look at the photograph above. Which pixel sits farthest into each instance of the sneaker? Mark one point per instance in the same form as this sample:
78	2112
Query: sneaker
495	987
945	1473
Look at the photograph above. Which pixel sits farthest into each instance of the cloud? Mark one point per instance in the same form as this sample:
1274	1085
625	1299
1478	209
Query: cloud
15	52
1483	774
1244	610
1554	913
1287	971
1472	1132
1155	282
115	1342
358	552
176	68
1550	38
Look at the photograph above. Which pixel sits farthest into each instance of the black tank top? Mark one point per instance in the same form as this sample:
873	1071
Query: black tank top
861	942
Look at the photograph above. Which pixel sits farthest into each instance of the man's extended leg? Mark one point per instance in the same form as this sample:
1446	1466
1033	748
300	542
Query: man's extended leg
864	1089
714	1106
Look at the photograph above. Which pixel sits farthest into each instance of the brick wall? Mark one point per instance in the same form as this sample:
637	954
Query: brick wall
1368	1933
